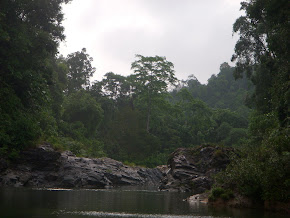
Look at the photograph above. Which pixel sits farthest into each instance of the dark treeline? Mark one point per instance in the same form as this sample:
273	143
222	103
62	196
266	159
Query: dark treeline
222	91
143	122
135	118
262	56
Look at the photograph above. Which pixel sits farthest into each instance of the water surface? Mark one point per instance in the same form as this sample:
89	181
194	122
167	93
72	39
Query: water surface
119	202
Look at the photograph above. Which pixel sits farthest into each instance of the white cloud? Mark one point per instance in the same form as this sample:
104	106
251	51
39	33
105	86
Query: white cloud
195	35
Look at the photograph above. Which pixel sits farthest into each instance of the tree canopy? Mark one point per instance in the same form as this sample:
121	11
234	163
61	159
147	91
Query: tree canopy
152	77
79	70
262	52
29	36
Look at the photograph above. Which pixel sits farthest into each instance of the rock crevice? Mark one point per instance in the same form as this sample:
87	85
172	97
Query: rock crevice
192	169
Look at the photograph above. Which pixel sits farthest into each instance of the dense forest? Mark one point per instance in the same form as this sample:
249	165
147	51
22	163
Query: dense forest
141	118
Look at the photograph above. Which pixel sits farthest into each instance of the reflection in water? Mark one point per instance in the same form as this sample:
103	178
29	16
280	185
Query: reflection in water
105	214
122	202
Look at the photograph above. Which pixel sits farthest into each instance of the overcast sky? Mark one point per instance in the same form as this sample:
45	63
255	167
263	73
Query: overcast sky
195	35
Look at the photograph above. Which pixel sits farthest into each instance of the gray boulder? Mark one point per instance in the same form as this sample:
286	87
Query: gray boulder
192	169
45	167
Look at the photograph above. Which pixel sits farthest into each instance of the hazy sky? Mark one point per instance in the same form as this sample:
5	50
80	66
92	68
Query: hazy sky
195	35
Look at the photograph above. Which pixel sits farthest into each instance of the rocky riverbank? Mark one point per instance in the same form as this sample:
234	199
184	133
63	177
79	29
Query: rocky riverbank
45	167
192	169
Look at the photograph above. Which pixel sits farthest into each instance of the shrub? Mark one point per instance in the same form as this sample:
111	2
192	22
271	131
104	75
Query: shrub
129	163
222	193
262	172
216	192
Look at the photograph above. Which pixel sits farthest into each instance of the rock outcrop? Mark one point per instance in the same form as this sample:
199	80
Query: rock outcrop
45	167
192	169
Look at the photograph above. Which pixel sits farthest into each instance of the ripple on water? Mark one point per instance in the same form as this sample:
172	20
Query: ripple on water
124	215
52	189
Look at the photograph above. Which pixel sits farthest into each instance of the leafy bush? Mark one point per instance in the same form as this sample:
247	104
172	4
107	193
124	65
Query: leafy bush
155	160
17	133
222	193
236	137
47	124
81	107
216	192
129	163
263	172
96	149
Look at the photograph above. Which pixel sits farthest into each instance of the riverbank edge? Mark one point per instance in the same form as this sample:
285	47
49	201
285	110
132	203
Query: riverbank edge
240	202
44	167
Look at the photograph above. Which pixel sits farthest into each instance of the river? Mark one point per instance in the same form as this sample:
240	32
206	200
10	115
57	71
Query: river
118	202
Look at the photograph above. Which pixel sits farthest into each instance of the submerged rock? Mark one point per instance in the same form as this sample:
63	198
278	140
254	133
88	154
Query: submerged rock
192	169
198	198
45	167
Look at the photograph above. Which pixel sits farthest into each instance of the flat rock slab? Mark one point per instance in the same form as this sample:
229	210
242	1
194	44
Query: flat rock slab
45	167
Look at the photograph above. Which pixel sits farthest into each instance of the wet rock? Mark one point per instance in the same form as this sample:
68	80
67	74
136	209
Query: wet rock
45	167
43	158
164	169
192	169
198	198
69	181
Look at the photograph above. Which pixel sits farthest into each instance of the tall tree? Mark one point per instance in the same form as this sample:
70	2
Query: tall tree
80	70
116	86
262	51
30	32
152	77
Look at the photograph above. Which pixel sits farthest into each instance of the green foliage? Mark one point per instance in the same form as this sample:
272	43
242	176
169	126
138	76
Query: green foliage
135	119
79	71
218	192
223	130
47	124
262	52
174	124
236	137
129	163
154	160
223	125
222	90
262	172
152	75
262	125
116	87
29	36
96	149
57	87
44	98
232	118
92	148
127	138
81	107
17	131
